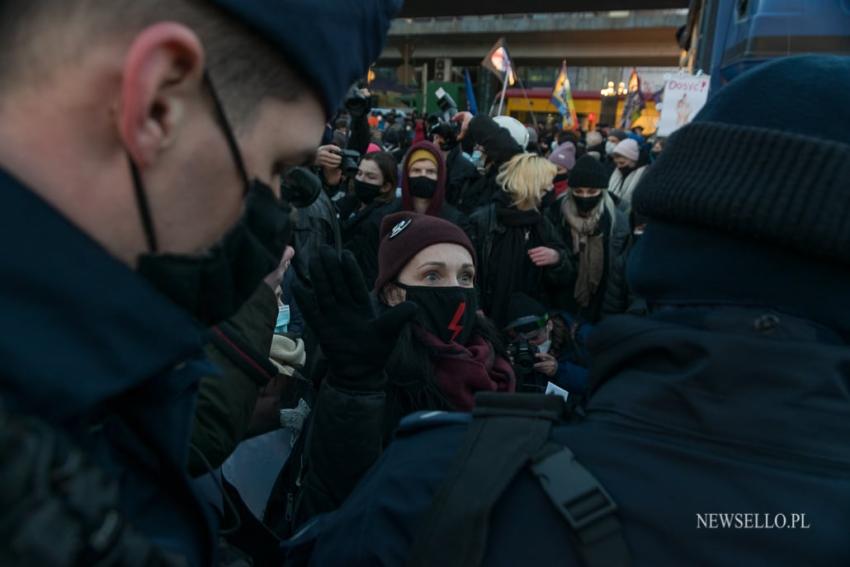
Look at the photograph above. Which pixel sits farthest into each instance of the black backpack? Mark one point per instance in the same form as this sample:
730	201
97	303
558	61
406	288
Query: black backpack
508	433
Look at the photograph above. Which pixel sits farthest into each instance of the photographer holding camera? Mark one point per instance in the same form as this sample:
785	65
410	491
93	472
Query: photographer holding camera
544	348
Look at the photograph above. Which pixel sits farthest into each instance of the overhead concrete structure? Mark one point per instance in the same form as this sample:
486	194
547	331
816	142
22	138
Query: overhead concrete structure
437	8
583	39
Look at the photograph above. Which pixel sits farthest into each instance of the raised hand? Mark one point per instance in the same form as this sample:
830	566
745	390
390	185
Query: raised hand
338	308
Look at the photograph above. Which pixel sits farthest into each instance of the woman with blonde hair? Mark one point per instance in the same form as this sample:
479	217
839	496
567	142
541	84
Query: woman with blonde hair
519	248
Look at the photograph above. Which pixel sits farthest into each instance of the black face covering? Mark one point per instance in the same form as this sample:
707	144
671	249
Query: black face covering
587	204
366	192
561	177
214	285
447	312
422	187
467	144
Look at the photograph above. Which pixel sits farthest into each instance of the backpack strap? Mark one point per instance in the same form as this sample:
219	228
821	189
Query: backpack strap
588	509
506	432
509	432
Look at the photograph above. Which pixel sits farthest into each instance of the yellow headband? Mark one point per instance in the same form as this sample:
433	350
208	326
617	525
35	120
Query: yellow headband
420	155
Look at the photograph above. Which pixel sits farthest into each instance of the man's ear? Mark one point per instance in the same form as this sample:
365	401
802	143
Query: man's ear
162	73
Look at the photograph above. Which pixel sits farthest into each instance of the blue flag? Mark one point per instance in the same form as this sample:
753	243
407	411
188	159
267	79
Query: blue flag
471	103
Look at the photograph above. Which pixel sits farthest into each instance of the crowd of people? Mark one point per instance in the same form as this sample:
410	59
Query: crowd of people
444	340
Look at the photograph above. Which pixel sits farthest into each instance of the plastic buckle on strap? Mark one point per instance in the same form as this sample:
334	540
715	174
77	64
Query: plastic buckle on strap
579	497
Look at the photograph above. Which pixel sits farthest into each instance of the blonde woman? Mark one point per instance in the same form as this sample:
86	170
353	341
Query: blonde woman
518	247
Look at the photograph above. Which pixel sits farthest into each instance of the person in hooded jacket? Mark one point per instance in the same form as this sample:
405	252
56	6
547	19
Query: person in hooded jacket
423	185
374	192
435	351
596	234
519	247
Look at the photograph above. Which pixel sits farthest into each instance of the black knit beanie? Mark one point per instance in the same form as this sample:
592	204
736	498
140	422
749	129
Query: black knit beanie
522	307
588	173
756	164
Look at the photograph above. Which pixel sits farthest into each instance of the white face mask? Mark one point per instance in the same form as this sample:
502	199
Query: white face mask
609	148
544	348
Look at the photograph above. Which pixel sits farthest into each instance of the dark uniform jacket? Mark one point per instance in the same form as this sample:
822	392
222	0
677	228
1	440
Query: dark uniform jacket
92	349
692	412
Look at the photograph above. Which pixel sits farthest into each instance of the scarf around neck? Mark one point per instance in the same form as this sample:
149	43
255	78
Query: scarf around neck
588	245
461	371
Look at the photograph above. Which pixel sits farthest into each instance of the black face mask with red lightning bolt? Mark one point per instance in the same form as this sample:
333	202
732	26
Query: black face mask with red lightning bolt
446	312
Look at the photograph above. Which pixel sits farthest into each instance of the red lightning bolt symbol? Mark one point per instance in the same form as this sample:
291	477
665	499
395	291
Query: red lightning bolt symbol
454	325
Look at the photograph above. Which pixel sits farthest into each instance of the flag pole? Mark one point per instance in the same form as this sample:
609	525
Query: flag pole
525	94
505	81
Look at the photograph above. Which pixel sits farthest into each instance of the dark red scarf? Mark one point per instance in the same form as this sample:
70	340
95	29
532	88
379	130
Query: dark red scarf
461	371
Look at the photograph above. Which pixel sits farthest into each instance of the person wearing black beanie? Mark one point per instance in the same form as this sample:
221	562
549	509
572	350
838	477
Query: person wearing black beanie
596	234
717	428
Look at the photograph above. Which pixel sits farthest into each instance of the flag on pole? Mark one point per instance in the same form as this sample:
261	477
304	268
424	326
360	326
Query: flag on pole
562	98
471	103
634	101
498	61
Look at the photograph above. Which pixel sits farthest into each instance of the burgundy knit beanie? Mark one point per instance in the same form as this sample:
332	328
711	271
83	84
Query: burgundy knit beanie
406	234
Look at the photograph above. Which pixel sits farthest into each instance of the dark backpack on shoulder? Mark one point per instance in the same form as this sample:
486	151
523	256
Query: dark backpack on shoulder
508	433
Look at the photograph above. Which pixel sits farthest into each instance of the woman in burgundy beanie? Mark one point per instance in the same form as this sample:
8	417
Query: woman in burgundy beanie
449	351
421	346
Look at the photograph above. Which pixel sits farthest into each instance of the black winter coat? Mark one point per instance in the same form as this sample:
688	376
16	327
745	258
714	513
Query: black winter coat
240	348
361	236
461	173
612	296
486	231
692	411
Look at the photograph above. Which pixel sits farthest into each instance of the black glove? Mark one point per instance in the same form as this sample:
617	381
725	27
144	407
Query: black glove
338	308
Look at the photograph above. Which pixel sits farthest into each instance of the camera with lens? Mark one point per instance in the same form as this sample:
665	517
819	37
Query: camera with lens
523	354
350	162
357	104
446	104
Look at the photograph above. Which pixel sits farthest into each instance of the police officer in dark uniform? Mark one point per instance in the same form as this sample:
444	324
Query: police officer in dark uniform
139	141
717	429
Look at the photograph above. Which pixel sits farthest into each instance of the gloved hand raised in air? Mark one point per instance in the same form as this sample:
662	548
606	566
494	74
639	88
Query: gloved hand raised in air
338	308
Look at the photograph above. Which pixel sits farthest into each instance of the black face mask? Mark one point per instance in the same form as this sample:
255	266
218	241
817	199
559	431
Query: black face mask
467	144
214	285
561	177
422	187
366	192
587	204
447	312
626	170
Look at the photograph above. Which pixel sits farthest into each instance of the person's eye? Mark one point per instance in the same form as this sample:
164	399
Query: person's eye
431	276
467	278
